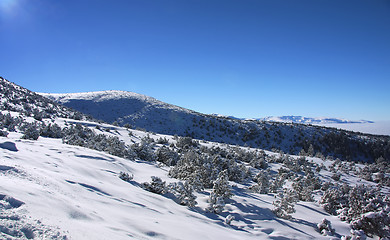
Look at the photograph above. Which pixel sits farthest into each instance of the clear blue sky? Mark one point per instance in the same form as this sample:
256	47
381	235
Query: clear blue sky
247	58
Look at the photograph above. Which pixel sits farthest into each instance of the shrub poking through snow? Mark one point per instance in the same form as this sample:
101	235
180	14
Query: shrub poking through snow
126	176
229	219
156	186
325	227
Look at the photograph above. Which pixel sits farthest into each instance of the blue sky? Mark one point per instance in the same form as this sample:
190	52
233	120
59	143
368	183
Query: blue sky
251	58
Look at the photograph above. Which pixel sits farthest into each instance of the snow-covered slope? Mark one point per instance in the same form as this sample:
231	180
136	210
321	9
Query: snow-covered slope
52	190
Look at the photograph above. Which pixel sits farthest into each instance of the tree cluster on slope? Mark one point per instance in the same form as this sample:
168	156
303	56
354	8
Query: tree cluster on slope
365	208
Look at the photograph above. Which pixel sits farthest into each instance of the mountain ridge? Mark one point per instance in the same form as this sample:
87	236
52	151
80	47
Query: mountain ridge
147	113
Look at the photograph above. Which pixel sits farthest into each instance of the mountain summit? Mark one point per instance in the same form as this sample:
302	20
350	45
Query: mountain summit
123	107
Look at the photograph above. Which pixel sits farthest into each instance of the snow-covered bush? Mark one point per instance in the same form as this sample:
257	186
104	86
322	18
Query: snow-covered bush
259	163
284	205
196	168
167	156
30	132
335	198
162	140
304	189
156	186
37	115
183	192
85	137
9	122
279	181
325	227
77	135
3	133
186	142
144	150
51	131
374	223
126	176
336	176
355	235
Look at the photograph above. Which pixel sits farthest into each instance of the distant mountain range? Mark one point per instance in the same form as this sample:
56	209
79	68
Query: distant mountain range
310	120
301	119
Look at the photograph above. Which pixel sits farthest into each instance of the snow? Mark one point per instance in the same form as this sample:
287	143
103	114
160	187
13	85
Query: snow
73	192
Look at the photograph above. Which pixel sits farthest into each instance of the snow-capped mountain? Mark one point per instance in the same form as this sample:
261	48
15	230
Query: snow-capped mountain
310	120
120	106
72	178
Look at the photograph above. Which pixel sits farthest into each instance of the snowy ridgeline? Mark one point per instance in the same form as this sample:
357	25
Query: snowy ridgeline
70	179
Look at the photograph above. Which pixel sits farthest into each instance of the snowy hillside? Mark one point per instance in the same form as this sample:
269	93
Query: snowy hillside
58	191
142	112
73	178
18	99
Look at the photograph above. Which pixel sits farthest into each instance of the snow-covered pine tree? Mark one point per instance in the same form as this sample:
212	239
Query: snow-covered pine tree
263	182
220	193
284	205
